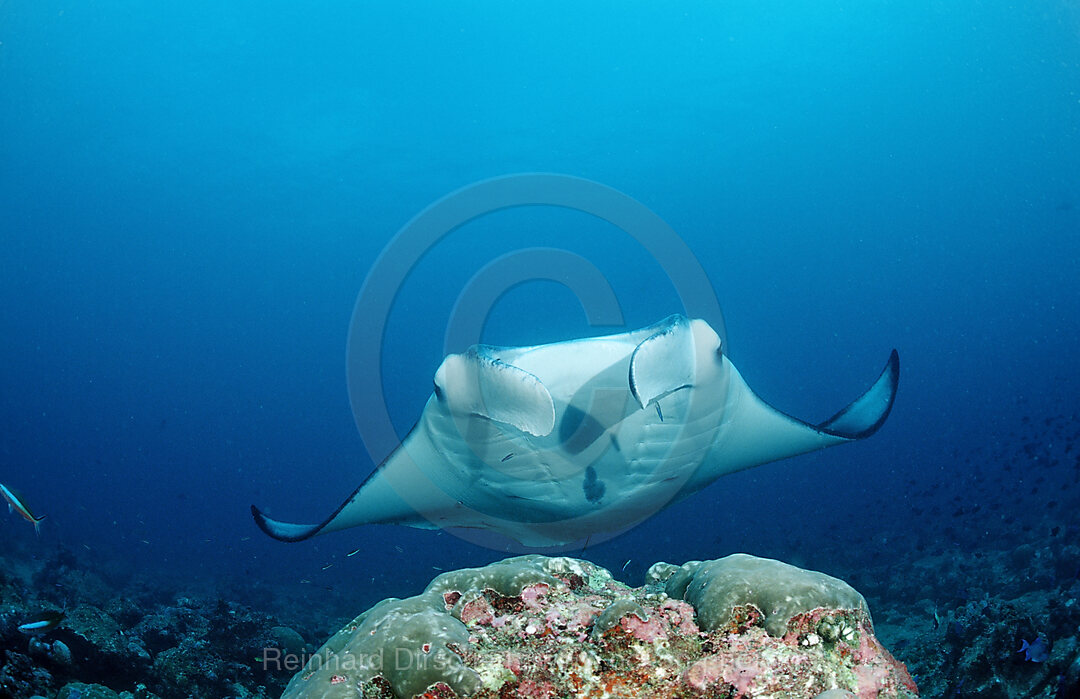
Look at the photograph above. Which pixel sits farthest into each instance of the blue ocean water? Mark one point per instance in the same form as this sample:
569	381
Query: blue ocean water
192	195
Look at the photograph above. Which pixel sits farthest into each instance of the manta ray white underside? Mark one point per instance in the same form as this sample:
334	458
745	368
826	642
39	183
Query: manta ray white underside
554	443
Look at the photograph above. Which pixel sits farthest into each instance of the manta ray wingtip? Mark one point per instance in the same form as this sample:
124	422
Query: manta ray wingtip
868	413
262	521
284	531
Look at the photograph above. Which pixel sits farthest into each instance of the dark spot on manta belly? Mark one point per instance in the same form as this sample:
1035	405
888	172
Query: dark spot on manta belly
594	488
578	429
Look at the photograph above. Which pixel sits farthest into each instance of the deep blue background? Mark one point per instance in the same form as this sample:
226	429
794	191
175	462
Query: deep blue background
191	196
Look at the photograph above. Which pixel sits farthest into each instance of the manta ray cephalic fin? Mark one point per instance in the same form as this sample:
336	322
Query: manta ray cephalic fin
664	361
477	382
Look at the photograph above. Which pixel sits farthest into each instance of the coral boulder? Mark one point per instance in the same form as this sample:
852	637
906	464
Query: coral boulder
540	628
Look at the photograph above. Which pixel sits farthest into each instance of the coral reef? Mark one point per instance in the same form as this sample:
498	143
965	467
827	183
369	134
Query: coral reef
537	627
147	646
967	643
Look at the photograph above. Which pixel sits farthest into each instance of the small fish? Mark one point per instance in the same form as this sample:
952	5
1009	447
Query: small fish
352	553
43	624
1037	651
399	549
508	456
627	563
328	565
16	502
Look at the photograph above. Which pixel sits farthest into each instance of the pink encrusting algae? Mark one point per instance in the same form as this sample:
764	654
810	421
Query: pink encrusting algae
477	611
533	595
681	615
648	631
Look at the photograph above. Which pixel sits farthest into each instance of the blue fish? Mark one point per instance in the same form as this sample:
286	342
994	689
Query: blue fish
1037	651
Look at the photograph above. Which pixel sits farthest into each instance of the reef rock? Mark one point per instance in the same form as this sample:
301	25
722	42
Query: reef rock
539	628
79	690
94	642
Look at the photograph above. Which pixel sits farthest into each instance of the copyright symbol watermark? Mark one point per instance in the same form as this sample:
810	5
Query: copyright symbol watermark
474	302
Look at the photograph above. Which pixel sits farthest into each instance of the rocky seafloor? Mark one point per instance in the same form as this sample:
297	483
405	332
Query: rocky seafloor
137	638
134	638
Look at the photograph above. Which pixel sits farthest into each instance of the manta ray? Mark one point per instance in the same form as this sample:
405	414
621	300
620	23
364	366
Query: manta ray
554	443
